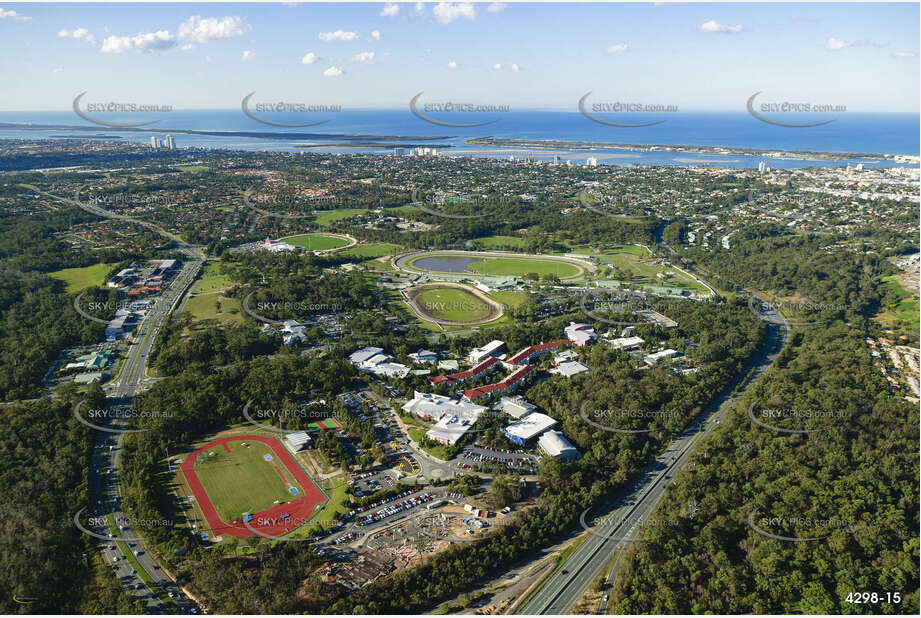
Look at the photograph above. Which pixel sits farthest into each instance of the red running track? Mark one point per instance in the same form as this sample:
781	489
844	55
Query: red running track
267	521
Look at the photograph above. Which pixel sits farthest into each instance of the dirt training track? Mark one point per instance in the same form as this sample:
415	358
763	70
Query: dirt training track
411	296
268	521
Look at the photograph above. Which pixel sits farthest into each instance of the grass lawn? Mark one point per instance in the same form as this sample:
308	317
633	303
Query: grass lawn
211	280
906	310
636	250
509	299
523	266
194	168
452	304
439	451
499	242
374	250
78	279
325	217
243	481
317	242
215	307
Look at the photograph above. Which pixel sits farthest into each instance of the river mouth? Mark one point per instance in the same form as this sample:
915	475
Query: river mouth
446	264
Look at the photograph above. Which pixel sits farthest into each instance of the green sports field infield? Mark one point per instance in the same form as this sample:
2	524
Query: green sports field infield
522	266
242	480
452	304
317	242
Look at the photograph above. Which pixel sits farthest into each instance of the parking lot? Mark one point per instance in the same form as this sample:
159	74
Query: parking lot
486	458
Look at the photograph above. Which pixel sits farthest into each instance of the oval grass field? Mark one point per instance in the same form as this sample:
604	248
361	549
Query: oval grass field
316	242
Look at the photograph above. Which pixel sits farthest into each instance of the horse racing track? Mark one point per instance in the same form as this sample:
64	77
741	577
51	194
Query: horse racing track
251	477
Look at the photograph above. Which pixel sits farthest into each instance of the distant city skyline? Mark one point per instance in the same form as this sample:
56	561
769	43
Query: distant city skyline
696	57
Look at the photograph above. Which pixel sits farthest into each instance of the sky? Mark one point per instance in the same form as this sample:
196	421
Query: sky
525	55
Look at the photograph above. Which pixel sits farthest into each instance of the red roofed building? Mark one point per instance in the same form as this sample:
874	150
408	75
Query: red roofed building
523	357
473	372
511	381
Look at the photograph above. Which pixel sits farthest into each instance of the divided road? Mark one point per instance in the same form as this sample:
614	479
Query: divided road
619	528
104	481
162	595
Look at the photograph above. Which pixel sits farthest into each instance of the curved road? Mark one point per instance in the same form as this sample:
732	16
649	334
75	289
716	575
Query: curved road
565	587
163	596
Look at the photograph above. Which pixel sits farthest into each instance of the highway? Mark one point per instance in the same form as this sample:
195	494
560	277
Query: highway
565	587
107	456
162	595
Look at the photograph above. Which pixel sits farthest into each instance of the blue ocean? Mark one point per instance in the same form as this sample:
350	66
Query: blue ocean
892	134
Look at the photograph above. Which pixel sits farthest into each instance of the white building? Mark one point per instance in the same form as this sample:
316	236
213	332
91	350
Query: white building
432	407
654	358
555	445
375	361
625	343
170	142
424	356
293	331
529	427
493	348
299	441
569	369
390	370
360	356
516	407
580	334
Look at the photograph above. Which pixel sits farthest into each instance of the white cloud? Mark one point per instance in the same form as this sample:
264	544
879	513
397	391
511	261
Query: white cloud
390	9
715	26
452	65
835	44
332	72
309	58
446	12
143	42
78	33
497	67
365	57
618	48
338	35
495	7
516	68
376	35
204	29
418	9
904	54
247	55
188	47
4	14
57	70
